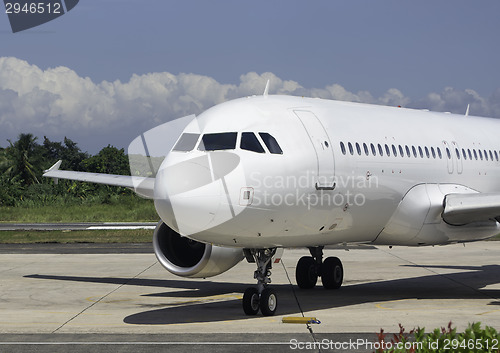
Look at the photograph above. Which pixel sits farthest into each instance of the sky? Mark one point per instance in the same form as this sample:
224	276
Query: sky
111	69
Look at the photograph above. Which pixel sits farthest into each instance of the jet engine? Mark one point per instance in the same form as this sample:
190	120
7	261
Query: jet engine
188	258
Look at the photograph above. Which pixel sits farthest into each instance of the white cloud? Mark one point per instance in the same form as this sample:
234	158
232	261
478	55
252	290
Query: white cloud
58	102
456	101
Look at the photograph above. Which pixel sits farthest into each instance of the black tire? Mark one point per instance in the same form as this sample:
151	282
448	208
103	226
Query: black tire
268	302
306	274
332	273
251	301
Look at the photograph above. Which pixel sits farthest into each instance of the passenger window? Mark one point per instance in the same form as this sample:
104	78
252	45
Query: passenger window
496	156
365	147
407	151
220	141
457	152
401	153
250	142
351	150
380	150
420	152
342	148
186	142
387	151
439	153
374	152
470	154
394	152
485	155
480	154
491	155
464	154
427	152
433	153
448	153
271	143
414	150
358	148
475	154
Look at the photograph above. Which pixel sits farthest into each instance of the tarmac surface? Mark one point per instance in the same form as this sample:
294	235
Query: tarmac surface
81	298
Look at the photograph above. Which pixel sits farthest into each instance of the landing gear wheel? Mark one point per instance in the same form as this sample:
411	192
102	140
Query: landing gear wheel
262	297
251	301
305	273
332	273
268	302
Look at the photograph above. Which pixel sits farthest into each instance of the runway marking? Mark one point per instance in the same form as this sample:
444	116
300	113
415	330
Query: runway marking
444	275
424	306
210	299
98	299
119	227
147	343
229	322
182	301
103	297
489	312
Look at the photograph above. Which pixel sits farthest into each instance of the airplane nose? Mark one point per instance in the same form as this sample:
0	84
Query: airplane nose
189	193
186	198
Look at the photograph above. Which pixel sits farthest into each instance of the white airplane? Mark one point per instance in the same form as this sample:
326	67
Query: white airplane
249	177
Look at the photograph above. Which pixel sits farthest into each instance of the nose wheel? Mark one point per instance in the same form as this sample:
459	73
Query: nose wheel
261	297
251	301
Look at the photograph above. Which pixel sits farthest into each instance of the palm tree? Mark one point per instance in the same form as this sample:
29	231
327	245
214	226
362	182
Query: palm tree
22	159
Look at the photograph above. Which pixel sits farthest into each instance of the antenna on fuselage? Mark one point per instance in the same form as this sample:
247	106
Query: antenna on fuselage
467	111
266	90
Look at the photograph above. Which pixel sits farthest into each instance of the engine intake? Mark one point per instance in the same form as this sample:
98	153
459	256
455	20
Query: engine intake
188	258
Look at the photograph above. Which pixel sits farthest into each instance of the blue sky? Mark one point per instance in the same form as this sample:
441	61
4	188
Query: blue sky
440	55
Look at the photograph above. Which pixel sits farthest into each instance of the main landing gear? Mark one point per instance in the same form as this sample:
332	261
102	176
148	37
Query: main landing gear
309	268
261	297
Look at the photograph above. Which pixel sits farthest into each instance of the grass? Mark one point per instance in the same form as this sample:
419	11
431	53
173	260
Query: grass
83	236
123	208
127	210
78	236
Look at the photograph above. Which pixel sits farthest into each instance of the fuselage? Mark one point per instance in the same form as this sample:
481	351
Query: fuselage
281	171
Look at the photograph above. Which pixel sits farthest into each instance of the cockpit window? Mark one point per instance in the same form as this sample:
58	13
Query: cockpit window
187	142
220	141
250	142
271	143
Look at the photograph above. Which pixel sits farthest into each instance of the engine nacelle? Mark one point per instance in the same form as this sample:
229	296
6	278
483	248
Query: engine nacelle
188	258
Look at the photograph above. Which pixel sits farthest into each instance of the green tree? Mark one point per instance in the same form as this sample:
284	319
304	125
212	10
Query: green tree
69	153
4	160
109	160
11	191
24	159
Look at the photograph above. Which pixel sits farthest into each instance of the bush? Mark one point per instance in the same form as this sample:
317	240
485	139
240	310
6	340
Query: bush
11	191
473	339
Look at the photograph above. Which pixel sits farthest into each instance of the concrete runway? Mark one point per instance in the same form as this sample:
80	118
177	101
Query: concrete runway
79	296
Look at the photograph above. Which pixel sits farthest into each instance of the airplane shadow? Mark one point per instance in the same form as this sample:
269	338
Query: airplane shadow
468	284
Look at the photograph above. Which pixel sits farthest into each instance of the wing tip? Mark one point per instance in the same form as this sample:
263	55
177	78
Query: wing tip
55	167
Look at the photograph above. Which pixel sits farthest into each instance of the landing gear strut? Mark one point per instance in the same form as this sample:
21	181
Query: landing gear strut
261	297
309	268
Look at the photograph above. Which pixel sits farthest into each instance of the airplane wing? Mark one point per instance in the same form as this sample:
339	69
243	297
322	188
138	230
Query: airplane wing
462	209
142	185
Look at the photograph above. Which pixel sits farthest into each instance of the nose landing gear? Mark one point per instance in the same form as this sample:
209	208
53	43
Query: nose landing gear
261	297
